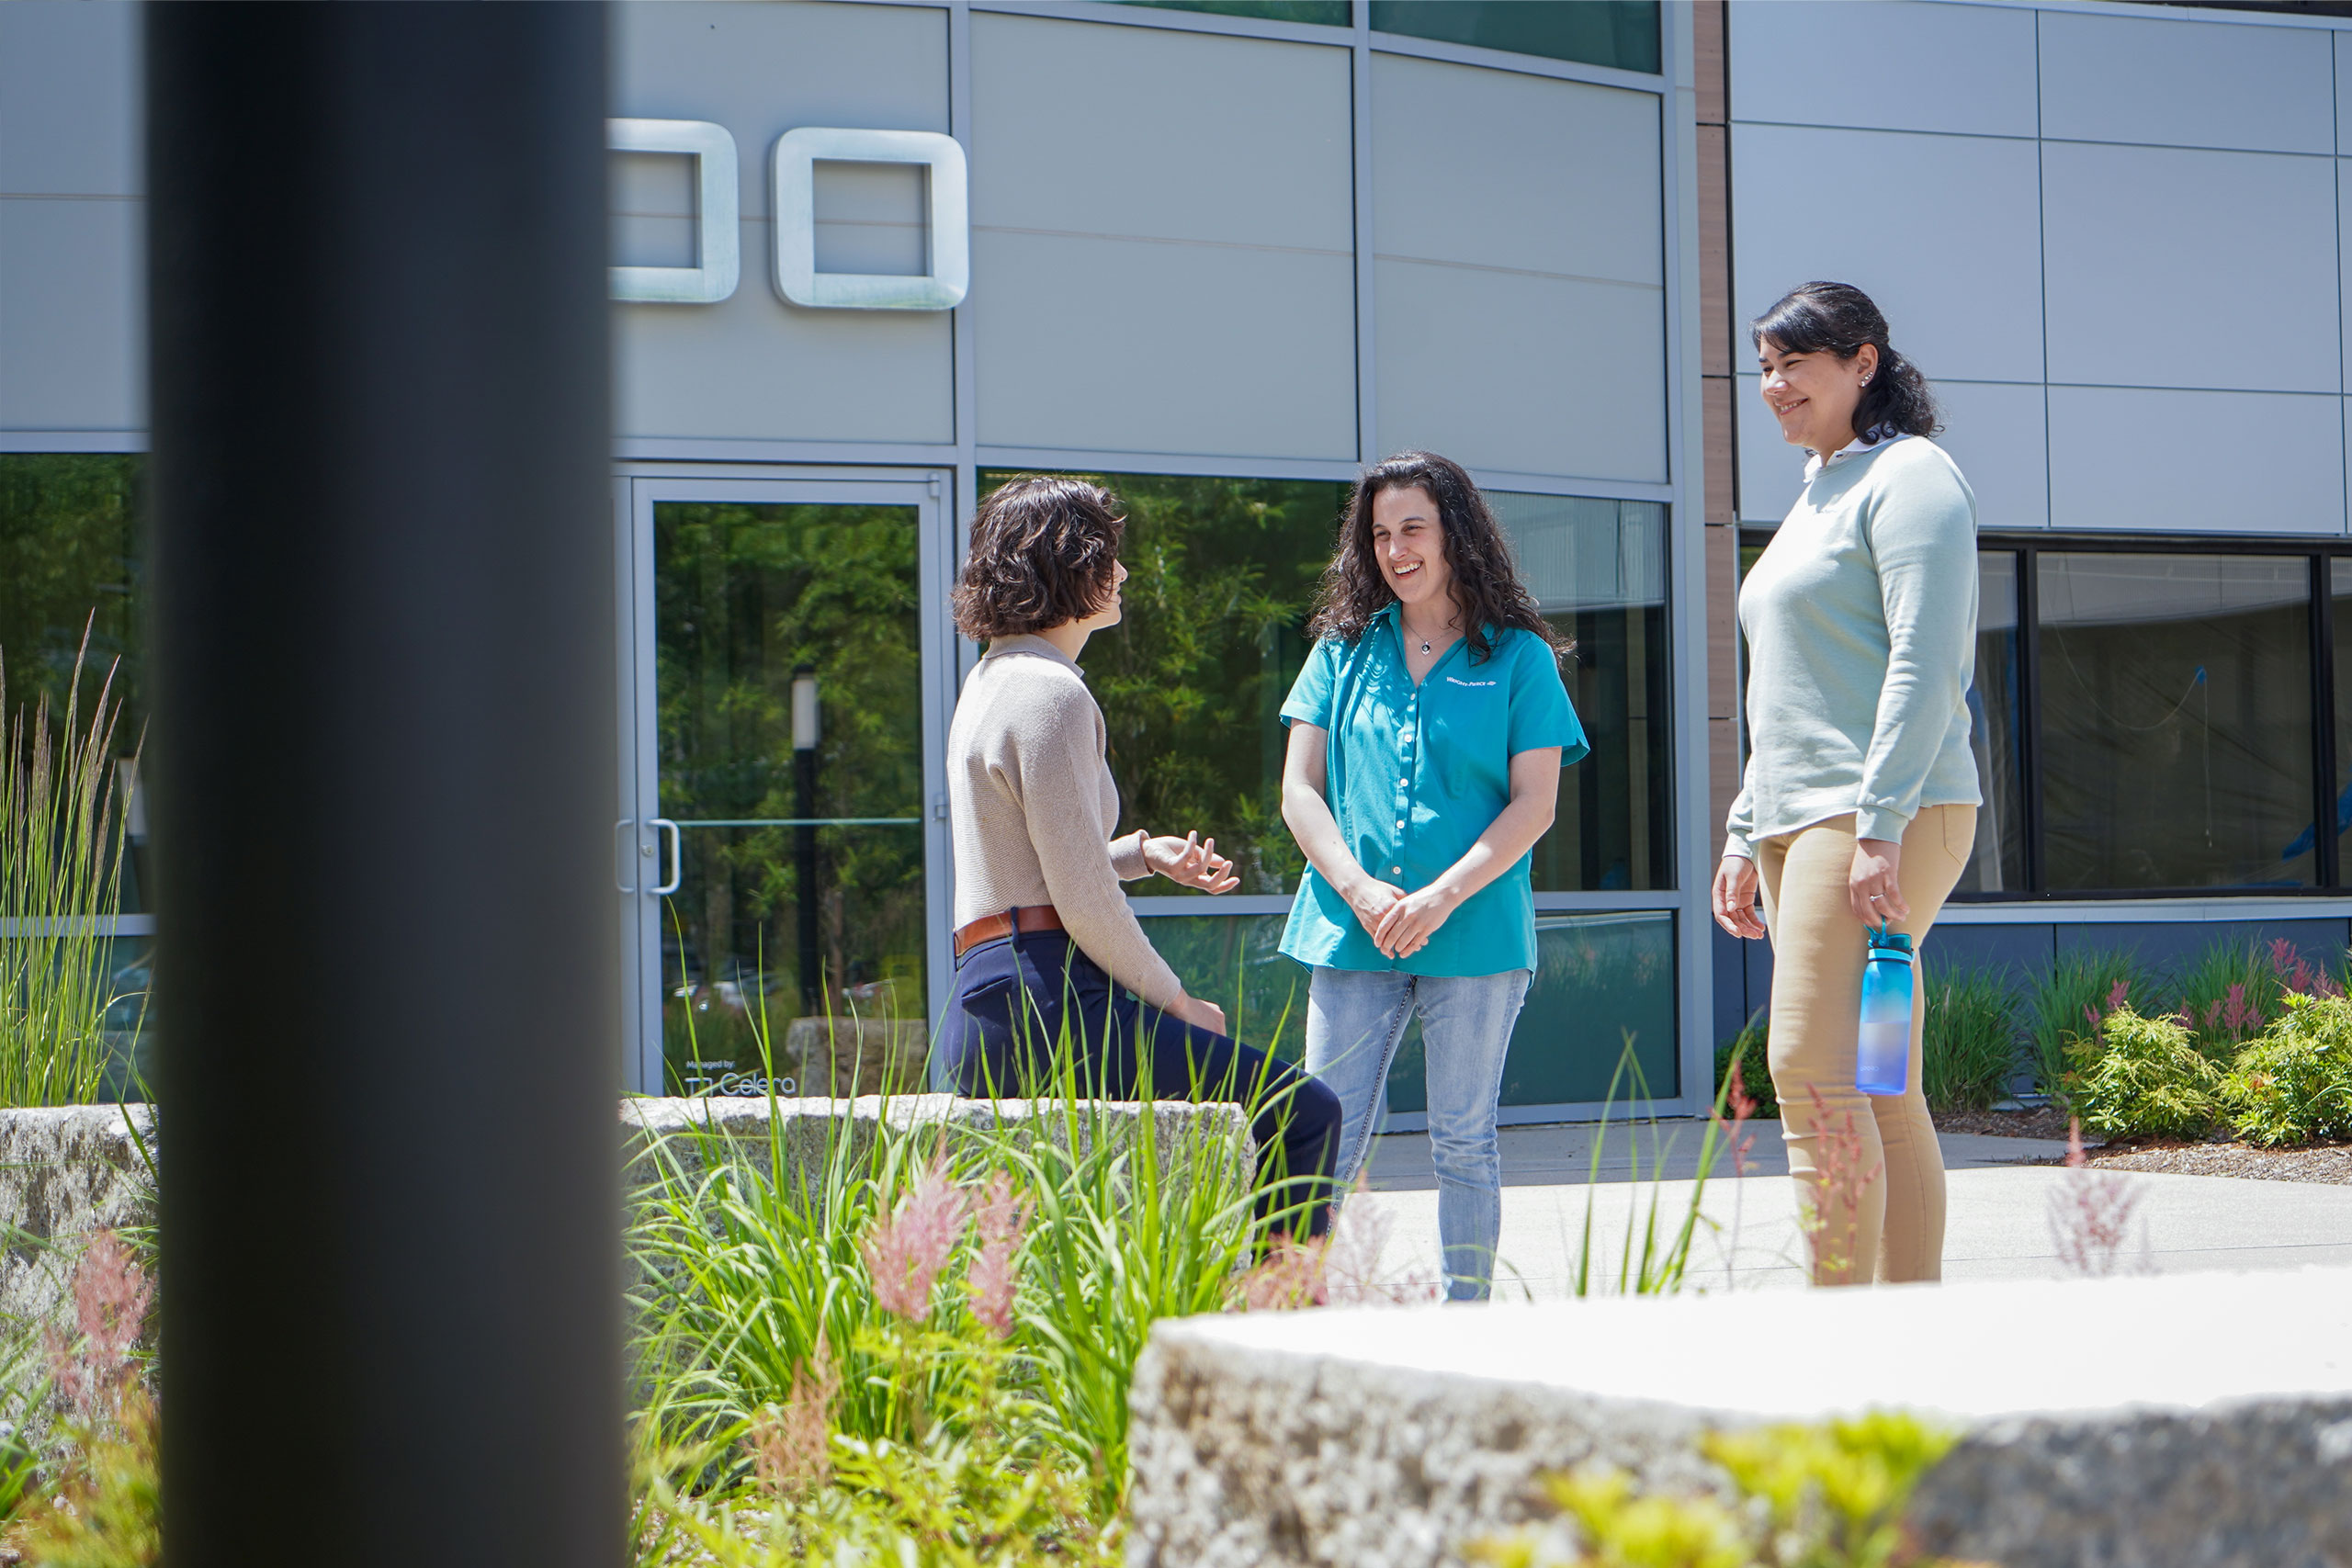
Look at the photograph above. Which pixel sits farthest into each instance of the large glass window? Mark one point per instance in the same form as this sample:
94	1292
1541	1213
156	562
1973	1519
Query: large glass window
1622	33
1323	13
1995	715
2175	721
1223	577
71	551
1601	980
1598	570
2339	593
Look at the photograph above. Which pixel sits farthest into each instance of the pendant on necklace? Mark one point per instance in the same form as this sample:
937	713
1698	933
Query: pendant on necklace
1425	645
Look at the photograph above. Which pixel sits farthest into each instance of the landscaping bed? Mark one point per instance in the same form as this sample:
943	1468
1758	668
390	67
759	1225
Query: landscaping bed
2326	1162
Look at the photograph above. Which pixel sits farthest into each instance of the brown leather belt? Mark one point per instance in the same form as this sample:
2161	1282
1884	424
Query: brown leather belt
988	928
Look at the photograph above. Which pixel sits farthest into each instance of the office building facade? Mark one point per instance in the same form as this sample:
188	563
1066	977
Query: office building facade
872	257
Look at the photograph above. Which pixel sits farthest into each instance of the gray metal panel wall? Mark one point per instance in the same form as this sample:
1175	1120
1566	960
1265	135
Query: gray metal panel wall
73	296
1152	272
1520	284
2057	245
755	368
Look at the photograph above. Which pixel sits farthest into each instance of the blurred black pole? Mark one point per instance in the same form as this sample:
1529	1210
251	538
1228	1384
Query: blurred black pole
384	792
804	836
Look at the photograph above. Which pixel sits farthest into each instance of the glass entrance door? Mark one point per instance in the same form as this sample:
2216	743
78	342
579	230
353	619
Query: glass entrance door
788	721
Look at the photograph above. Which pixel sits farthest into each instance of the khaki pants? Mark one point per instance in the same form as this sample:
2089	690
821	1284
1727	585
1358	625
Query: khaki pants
1875	1171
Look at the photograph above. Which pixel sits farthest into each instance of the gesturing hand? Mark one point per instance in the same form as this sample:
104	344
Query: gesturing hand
1190	862
1406	928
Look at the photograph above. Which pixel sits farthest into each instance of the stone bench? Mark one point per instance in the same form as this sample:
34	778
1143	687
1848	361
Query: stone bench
64	1172
2187	1421
67	1171
799	1134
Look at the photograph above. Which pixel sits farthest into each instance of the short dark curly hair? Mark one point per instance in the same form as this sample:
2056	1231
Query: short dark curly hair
1042	553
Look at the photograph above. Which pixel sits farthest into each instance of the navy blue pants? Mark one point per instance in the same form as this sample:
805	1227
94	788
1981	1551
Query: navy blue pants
1013	997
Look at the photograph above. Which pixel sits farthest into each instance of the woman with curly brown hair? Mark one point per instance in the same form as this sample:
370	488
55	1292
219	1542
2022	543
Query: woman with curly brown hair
1428	732
1052	968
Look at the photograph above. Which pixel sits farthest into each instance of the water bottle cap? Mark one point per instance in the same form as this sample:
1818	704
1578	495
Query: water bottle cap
1883	940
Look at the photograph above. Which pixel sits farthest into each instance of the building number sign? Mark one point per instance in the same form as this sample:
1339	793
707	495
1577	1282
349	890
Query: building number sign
718	244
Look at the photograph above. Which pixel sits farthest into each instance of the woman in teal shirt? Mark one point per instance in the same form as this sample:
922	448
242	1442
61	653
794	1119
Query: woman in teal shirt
1427	735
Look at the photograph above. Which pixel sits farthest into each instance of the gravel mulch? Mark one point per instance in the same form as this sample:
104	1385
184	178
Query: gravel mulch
2047	1122
2324	1162
2165	1156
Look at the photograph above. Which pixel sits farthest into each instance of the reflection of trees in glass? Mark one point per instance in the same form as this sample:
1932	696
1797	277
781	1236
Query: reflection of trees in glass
1598	569
1221	577
72	532
70	545
746	594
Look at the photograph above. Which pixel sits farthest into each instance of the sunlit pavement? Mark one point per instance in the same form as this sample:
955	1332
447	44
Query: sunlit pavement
1999	1215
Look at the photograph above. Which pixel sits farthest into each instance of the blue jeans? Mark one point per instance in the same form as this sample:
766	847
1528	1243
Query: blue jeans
1018	998
1354	1019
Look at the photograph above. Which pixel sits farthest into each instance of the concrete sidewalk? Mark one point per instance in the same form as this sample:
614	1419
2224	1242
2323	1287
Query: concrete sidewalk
2000	1213
1561	1153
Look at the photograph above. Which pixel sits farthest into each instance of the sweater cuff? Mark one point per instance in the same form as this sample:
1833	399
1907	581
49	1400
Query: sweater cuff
1737	847
1127	861
1878	822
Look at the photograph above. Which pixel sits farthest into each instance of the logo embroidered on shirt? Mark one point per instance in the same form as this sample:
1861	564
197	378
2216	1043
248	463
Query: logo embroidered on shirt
1453	681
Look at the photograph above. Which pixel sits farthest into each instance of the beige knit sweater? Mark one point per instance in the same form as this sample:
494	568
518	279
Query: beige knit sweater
1032	804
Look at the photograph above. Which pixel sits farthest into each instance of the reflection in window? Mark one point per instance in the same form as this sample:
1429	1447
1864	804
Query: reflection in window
2340	591
1222	575
1598	979
72	531
1322	12
1622	33
749	599
1598	569
72	528
1998	865
2175	721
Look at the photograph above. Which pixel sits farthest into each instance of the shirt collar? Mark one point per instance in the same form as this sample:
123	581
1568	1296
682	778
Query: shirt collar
1878	436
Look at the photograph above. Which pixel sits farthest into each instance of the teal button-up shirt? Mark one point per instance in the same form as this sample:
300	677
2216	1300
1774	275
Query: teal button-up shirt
1414	775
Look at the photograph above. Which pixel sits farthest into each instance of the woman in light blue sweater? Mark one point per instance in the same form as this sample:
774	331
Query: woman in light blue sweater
1858	806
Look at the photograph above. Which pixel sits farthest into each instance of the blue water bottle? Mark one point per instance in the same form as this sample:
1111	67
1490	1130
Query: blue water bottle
1882	1055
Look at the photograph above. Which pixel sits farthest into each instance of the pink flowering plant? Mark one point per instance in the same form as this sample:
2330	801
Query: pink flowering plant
914	1342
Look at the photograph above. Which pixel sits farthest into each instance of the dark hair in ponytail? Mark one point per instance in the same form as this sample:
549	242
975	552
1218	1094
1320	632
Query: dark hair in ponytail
1838	318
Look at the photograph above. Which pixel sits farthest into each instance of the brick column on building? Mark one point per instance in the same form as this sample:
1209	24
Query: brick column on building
1718	340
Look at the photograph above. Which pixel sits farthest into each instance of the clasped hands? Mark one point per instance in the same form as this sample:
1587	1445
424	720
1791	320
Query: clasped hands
1401	923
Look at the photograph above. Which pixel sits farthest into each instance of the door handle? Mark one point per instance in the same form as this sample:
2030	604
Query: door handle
677	858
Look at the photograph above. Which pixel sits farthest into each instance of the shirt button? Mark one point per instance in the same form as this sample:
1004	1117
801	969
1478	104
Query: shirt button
1404	784
1400	825
1396	870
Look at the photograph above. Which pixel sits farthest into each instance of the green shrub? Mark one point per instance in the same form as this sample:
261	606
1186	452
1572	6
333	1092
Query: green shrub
2066	1004
1748	1047
2294	1084
1971	1046
2144	1078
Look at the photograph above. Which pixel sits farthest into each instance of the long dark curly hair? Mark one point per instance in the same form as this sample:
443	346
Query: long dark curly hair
1485	576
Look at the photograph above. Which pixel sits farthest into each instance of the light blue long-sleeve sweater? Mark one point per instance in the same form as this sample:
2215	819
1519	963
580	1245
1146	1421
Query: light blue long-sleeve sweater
1860	619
